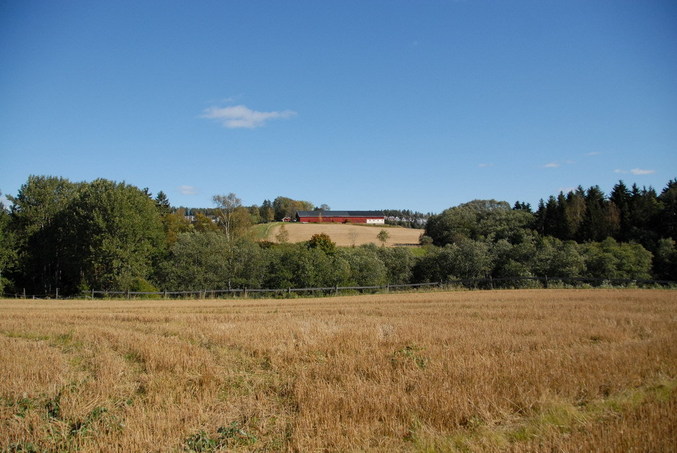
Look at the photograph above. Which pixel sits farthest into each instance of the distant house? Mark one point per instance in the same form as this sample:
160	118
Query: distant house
369	217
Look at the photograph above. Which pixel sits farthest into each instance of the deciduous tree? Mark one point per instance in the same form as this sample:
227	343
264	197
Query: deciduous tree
383	236
7	251
226	206
115	235
266	211
38	219
323	242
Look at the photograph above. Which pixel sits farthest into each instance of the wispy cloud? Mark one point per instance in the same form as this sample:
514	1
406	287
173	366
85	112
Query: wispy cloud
240	116
635	171
640	171
551	165
485	165
593	153
188	190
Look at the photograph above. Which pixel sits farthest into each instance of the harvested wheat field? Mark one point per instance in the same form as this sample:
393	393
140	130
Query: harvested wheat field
539	370
346	235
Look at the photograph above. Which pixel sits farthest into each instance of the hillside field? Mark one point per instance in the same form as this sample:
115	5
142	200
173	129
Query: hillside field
346	235
517	370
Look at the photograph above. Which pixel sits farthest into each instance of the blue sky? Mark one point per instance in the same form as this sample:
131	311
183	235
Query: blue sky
364	104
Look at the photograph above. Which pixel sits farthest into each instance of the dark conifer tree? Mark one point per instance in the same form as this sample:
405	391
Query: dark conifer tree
620	197
668	216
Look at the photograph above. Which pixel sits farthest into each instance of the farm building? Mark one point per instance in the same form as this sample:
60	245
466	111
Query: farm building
369	217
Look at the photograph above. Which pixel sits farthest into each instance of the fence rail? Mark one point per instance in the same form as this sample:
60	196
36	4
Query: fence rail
476	283
483	283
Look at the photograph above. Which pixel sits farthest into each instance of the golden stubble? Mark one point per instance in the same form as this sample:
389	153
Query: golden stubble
533	370
346	235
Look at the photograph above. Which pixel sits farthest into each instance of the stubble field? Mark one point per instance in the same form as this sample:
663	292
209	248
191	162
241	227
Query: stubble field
538	370
346	235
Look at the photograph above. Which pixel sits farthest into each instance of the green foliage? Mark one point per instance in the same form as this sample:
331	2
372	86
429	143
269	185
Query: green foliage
626	215
323	242
466	259
162	204
196	261
110	236
478	220
383	236
7	248
38	222
297	266
199	261
665	260
398	263
300	266
425	240
366	269
232	217
613	260
668	214
139	284
266	212
231	436
287	207
174	224
555	258
116	234
204	224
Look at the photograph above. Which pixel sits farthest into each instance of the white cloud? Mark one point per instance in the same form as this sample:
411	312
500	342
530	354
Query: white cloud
485	165
639	171
635	171
240	116
551	165
188	190
594	153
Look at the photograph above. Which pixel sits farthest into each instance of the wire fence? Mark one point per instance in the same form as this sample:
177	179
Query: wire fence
475	283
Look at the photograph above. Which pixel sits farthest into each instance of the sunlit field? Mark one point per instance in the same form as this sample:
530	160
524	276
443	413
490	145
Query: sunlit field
539	370
347	235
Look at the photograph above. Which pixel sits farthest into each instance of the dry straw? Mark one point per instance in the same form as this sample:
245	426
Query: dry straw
541	370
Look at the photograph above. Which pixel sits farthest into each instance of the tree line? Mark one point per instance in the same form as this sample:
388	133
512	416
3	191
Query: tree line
269	211
112	236
629	234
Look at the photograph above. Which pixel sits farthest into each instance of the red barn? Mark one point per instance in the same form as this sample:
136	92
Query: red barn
370	217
